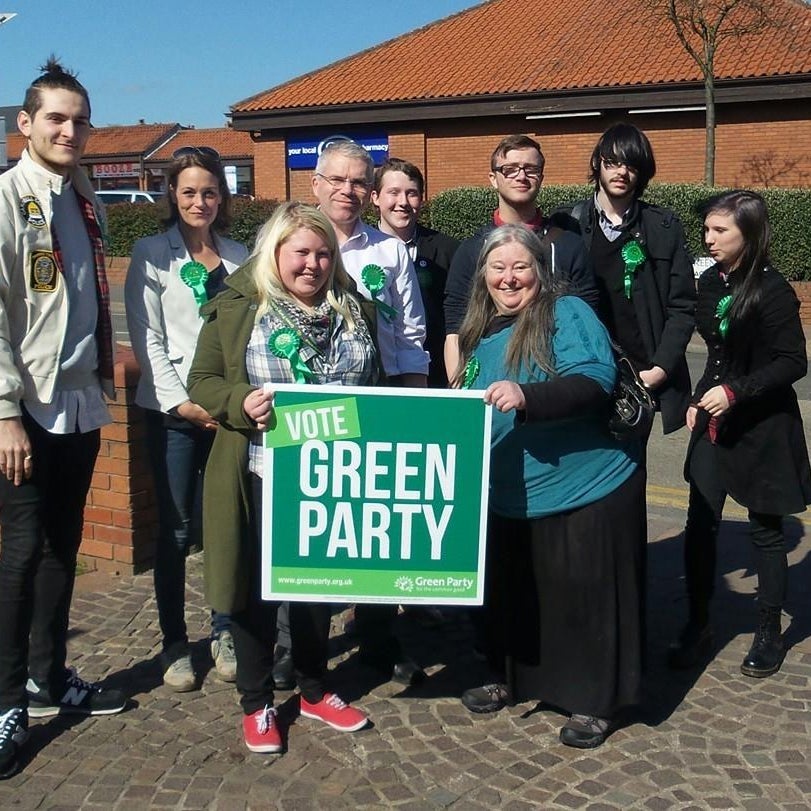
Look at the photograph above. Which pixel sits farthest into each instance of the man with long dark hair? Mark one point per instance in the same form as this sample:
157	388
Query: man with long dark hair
642	266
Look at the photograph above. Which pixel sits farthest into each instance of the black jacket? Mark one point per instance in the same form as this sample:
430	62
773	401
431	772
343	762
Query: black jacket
761	451
570	263
434	254
663	294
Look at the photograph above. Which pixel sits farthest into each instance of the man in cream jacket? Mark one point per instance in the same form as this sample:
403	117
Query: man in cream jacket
56	362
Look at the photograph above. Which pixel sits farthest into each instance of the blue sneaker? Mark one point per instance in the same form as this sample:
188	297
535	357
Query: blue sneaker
13	734
79	698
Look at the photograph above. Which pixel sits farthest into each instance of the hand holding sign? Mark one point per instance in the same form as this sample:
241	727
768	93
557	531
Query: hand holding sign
505	396
258	406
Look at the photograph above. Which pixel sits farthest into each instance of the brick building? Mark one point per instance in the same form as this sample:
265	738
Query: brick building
443	95
135	156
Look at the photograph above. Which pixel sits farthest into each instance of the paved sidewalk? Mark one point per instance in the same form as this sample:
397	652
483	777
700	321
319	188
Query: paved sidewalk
710	739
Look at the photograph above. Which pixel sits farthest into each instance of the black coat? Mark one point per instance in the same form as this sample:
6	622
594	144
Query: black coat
761	451
434	254
569	261
663	295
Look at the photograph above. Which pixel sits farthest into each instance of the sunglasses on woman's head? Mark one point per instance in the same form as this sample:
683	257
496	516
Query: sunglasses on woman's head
196	150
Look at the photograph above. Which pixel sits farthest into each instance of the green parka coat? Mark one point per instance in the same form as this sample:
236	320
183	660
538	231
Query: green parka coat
218	381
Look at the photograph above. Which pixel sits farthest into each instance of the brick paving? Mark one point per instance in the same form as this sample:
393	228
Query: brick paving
706	739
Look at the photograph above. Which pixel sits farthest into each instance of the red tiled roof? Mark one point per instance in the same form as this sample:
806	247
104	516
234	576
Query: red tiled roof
229	143
126	140
532	46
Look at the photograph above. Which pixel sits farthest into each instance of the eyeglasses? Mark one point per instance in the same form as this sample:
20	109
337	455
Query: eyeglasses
358	186
612	163
511	170
196	150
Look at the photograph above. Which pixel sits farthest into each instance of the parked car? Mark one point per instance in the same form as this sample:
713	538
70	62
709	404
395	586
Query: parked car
111	196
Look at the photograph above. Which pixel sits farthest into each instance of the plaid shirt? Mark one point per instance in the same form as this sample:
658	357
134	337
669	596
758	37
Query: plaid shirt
104	325
350	362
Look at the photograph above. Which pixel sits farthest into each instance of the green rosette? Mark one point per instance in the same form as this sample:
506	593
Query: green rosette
285	343
722	314
194	275
471	372
375	280
633	254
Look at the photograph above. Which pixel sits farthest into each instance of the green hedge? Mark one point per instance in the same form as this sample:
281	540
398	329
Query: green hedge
128	222
460	212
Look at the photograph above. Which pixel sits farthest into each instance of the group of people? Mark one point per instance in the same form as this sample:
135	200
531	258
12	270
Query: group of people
531	310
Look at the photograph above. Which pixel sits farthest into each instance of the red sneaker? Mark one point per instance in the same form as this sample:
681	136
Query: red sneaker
260	731
334	712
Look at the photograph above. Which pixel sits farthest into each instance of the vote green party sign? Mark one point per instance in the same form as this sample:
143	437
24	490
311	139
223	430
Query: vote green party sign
375	495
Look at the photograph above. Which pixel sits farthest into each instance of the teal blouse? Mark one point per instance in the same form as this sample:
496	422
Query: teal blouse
549	467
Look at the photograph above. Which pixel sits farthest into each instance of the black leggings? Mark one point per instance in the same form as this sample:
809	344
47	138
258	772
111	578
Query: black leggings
707	497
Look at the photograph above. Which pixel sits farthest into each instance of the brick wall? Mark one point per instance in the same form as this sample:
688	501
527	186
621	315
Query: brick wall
270	176
757	144
301	185
803	291
117	270
121	523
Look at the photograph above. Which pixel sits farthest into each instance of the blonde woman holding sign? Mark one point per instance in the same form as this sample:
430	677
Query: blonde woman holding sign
287	316
171	275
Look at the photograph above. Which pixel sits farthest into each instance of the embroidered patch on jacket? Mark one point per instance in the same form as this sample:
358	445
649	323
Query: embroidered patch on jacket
43	272
32	211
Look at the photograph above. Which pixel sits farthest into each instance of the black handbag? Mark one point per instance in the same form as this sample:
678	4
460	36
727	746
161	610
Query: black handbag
632	407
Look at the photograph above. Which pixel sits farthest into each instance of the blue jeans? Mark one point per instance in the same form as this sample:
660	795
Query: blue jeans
178	451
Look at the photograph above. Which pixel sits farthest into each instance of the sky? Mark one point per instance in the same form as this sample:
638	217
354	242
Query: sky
188	62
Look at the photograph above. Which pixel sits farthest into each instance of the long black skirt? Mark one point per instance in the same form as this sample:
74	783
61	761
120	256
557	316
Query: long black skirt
565	603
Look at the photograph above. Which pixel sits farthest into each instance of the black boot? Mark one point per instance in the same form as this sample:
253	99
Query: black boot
768	649
696	644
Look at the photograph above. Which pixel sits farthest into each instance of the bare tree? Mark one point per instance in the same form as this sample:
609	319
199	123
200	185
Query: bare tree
702	26
766	168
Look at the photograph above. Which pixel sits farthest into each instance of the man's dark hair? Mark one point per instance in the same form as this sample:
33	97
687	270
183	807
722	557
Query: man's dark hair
54	77
625	143
399	165
511	142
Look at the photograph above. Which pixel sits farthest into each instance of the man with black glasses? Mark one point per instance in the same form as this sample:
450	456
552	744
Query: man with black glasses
516	173
642	266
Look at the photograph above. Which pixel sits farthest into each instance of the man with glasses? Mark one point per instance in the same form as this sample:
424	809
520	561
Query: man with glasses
643	269
56	360
379	264
516	173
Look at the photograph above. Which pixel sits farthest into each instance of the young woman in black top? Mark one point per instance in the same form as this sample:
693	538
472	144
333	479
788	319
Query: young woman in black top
747	437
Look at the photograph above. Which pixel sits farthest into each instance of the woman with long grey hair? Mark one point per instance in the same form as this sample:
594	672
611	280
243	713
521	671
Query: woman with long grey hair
563	618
